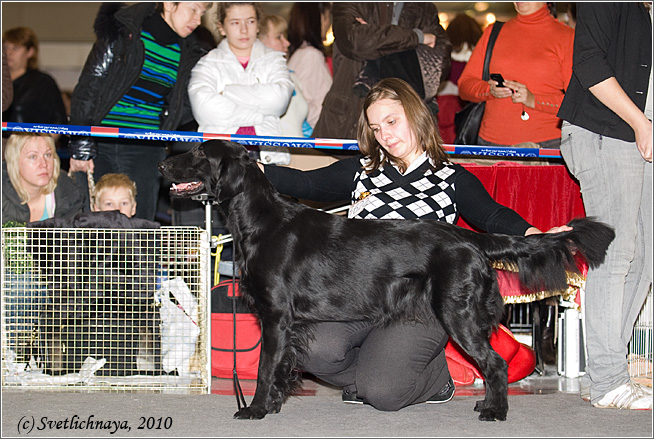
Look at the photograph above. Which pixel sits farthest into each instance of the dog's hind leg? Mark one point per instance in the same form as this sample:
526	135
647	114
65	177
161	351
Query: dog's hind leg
468	314
276	370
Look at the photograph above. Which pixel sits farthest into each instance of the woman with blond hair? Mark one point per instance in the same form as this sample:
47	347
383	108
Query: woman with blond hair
33	186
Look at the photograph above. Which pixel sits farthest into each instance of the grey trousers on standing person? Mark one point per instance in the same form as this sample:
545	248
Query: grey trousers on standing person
616	187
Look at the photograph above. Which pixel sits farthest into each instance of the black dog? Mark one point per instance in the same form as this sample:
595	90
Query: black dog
299	266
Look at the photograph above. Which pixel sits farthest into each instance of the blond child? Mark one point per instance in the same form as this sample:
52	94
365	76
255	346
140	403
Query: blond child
115	192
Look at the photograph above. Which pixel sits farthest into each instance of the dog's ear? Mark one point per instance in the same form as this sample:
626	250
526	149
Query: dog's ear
232	175
228	167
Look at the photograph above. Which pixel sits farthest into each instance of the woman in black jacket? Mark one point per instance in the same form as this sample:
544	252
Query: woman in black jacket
36	95
136	76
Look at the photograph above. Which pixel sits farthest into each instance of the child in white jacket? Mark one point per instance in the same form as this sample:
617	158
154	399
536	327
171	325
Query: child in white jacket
241	86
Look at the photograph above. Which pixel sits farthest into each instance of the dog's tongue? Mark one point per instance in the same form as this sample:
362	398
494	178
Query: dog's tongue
185	187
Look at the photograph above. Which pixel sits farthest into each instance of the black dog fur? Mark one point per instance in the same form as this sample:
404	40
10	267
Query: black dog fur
300	265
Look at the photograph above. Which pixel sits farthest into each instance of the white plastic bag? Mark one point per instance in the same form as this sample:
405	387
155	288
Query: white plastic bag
179	325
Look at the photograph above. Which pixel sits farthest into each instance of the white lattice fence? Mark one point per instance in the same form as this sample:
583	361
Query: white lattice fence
641	344
105	308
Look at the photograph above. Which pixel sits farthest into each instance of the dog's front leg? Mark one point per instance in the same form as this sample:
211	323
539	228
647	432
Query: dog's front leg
273	375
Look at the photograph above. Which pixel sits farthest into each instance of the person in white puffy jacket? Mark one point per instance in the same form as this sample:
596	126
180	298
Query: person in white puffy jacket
241	86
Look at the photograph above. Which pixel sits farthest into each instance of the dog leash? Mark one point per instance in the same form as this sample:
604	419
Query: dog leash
91	183
240	398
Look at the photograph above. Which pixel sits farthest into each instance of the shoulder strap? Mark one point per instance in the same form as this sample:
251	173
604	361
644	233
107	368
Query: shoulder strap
489	49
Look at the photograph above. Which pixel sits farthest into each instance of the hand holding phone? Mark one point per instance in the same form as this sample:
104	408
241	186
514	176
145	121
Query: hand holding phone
497	78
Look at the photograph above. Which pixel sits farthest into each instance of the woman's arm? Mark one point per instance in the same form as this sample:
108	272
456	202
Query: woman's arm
472	87
310	68
328	184
610	93
271	94
209	105
84	100
476	205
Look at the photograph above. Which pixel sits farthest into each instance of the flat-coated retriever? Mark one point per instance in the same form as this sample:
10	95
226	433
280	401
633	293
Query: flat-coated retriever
300	266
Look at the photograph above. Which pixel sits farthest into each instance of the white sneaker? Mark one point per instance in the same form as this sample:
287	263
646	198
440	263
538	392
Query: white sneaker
630	396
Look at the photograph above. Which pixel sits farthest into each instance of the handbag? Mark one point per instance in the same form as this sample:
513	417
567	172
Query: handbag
468	120
235	333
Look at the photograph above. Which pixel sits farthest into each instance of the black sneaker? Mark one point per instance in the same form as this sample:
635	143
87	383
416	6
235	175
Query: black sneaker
443	395
350	397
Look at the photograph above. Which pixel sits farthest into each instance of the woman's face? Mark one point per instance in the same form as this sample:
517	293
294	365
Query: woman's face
275	39
527	8
36	164
240	28
17	56
184	17
388	121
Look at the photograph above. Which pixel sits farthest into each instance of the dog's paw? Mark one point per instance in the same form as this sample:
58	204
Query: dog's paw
481	405
250	413
487	414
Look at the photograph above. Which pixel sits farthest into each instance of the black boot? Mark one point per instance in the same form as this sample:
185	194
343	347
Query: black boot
548	315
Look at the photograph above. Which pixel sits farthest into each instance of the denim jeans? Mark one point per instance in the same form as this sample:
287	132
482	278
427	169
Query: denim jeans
616	186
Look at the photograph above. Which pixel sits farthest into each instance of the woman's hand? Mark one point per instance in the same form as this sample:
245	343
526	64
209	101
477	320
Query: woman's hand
520	94
81	165
499	92
644	139
430	40
557	229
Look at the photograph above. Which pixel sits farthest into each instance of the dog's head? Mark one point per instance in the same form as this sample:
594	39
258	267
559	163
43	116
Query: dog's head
215	167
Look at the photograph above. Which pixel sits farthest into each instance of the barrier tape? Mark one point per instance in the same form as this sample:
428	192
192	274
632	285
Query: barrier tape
290	142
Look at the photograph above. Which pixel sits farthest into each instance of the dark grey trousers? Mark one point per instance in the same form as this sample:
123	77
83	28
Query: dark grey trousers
388	367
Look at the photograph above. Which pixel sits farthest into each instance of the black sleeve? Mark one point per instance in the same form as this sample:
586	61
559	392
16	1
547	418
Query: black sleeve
478	208
328	184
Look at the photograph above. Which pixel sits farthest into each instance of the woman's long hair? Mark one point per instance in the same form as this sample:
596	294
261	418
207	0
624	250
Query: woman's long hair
419	117
14	147
463	29
305	24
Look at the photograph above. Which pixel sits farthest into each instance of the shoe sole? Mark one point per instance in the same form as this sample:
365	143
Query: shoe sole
441	402
597	406
354	402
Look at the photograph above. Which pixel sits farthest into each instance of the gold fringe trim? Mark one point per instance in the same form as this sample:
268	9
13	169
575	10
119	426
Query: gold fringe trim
575	282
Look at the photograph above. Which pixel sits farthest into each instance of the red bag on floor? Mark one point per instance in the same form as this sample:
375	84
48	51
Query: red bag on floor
248	333
520	358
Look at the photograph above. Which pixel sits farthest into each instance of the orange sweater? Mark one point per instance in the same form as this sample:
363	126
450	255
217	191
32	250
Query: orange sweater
535	50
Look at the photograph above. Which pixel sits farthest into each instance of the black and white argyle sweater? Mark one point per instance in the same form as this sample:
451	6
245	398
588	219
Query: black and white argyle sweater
420	193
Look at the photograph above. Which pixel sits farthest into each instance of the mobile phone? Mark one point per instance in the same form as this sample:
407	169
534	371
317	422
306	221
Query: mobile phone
498	78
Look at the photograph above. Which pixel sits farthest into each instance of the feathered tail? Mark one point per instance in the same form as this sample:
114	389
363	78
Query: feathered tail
544	260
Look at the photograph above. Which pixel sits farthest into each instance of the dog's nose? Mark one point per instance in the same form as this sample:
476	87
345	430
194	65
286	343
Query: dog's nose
161	166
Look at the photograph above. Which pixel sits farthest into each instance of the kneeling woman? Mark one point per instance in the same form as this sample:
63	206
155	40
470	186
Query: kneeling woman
404	173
